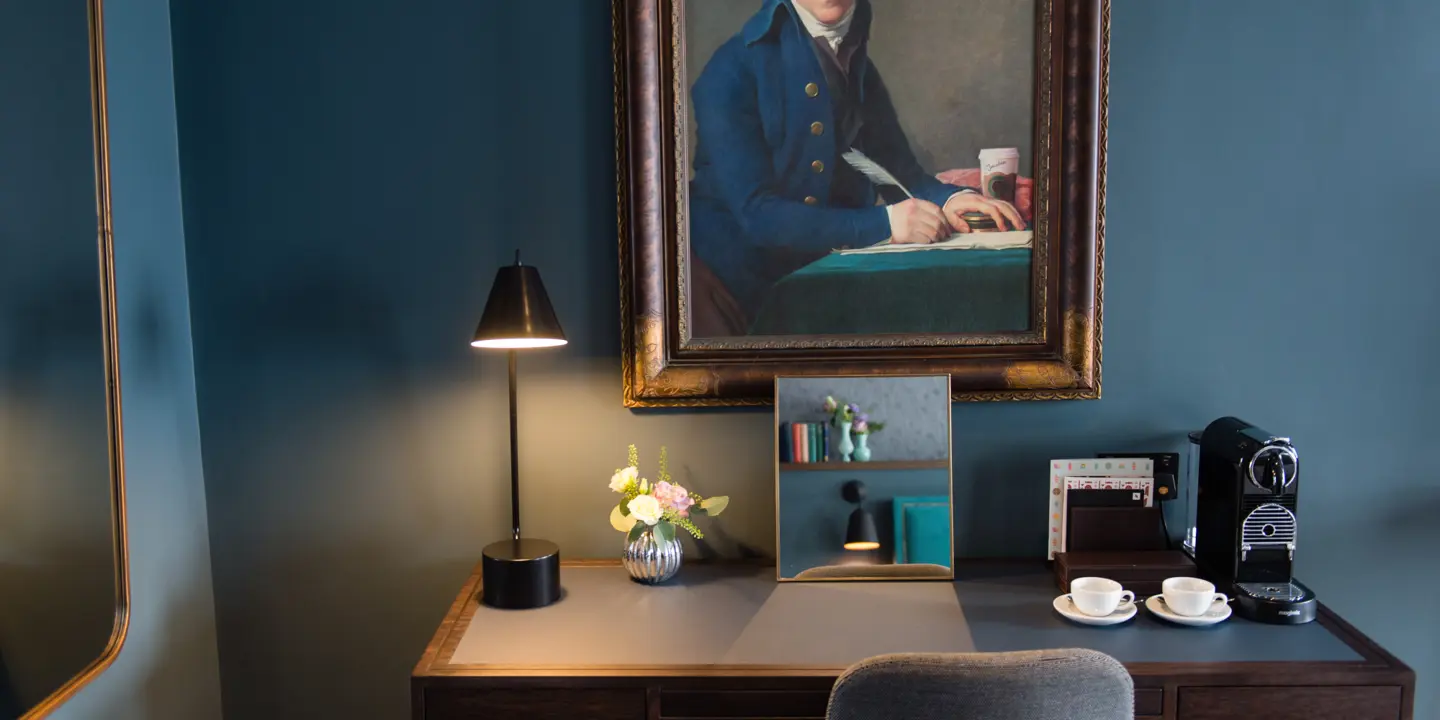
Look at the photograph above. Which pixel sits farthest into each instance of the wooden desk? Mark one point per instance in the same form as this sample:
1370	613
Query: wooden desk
749	647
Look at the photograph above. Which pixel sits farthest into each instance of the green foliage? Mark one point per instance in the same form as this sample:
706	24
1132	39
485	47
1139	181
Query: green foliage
635	532
634	456
664	475
689	527
664	531
715	505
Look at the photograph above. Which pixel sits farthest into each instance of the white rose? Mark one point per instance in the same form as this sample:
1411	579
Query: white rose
621	481
645	508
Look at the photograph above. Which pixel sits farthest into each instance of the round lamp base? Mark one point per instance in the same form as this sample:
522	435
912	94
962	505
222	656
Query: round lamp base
520	574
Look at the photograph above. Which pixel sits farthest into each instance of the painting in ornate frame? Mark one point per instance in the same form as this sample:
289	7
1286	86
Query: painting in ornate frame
705	97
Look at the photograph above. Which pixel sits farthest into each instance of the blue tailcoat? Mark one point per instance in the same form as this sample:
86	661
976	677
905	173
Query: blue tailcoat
770	193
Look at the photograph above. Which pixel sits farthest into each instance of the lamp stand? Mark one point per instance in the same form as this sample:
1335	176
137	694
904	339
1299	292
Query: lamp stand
519	573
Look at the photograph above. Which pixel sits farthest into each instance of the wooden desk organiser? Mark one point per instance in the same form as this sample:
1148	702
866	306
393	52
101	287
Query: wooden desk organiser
1114	529
1140	572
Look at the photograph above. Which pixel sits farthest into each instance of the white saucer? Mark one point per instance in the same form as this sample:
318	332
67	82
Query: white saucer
1218	612
1066	607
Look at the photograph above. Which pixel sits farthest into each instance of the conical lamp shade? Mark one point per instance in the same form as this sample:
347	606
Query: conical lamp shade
861	534
518	314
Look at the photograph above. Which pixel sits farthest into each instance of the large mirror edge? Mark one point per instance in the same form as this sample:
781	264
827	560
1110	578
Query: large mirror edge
109	325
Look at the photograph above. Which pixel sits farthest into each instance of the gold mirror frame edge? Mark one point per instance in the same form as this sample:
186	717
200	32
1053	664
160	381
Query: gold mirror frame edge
109	327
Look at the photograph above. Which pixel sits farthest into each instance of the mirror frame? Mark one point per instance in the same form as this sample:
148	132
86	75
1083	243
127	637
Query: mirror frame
109	324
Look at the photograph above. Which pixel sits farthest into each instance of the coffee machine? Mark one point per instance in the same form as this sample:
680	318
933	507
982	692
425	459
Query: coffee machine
1246	521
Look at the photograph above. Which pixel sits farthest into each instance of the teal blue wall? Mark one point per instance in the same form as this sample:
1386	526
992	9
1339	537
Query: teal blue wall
168	669
354	171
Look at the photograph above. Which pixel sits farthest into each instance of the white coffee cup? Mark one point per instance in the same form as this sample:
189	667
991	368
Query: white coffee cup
1099	597
1190	596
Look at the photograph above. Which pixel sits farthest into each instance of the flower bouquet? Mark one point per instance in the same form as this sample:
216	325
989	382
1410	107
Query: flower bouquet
850	420
648	515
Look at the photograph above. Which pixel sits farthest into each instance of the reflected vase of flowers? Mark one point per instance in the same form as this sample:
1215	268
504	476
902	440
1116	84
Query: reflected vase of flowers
853	428
862	449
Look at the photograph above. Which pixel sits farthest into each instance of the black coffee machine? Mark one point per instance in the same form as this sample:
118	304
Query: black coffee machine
1245	521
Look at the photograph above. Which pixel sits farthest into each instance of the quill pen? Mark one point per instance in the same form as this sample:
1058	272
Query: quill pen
871	169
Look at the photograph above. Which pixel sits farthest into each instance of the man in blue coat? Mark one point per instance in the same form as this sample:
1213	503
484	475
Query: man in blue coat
776	107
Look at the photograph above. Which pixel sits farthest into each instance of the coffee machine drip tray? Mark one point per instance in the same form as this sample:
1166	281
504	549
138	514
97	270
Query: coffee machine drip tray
1283	592
1283	603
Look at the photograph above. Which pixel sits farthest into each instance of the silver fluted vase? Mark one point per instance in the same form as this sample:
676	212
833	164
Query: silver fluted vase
649	559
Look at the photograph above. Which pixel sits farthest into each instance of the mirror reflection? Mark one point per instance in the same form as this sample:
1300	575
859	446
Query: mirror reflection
57	555
864	478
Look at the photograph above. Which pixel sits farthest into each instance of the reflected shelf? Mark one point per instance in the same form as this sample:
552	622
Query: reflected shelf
862	466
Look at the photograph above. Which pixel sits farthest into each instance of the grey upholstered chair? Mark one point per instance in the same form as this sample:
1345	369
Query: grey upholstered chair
1032	685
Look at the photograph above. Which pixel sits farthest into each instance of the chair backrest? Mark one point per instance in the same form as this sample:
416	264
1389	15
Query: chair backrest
1031	685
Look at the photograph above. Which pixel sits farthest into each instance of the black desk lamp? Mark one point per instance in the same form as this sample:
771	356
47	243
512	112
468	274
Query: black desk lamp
520	572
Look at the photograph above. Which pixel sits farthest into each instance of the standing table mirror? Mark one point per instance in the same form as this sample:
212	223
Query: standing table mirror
863	478
63	574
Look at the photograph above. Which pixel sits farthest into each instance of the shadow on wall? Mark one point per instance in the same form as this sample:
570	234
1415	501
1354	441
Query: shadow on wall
167	668
170	688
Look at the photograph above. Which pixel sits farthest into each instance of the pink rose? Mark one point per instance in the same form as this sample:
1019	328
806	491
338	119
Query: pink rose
674	497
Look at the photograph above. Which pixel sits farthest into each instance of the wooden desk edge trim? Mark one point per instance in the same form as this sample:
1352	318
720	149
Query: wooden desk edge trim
456	622
1360	673
1378	665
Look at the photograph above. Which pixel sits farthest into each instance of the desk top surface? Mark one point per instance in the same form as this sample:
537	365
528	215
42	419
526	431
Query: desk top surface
738	616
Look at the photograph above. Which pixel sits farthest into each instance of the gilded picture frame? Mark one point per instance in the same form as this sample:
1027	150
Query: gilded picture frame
1055	356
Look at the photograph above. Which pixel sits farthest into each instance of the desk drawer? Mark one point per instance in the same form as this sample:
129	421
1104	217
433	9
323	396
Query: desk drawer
743	704
546	704
1290	703
1149	701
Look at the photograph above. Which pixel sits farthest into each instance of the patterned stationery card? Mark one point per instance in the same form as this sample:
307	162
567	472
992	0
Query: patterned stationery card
1085	467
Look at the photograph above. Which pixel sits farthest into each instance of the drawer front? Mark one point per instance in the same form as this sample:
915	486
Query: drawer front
547	704
1149	701
1290	703
743	704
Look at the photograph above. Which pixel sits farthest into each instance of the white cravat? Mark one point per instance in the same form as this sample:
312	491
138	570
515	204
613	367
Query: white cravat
834	34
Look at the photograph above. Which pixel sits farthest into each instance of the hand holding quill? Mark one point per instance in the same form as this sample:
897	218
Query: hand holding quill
914	221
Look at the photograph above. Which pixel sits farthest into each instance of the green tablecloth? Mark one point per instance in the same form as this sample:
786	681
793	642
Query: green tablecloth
927	291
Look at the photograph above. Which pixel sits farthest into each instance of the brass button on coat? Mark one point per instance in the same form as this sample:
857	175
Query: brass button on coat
817	128
812	200
817	166
812	90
